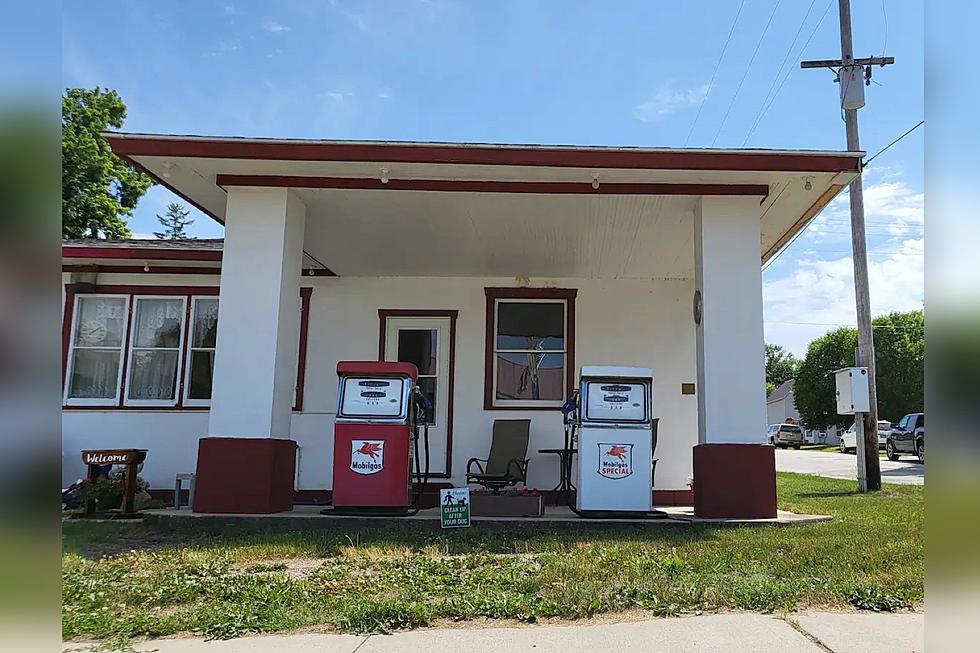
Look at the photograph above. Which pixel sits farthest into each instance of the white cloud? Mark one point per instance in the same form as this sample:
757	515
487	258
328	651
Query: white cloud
811	288
229	10
384	94
275	28
668	100
338	96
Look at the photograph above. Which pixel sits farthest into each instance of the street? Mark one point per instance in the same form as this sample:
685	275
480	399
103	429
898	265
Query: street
840	465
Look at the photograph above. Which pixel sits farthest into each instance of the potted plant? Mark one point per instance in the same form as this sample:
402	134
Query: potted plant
512	502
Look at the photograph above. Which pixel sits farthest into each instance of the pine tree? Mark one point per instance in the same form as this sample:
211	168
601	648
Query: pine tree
174	223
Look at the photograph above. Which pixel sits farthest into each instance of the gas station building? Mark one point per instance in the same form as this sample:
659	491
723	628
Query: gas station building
220	358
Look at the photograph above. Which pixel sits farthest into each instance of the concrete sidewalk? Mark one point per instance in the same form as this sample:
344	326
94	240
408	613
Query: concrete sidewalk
814	632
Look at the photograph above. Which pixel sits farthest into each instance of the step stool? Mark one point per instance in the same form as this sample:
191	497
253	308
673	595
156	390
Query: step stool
190	490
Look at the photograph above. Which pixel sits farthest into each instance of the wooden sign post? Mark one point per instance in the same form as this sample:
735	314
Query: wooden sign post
131	458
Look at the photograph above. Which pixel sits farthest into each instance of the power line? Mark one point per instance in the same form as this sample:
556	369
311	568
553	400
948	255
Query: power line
745	74
779	71
789	72
884	16
715	72
868	162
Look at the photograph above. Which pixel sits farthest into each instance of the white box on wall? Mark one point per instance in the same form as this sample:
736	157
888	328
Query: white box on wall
853	395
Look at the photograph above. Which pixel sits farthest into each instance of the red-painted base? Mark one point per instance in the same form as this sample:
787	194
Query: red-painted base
244	475
735	481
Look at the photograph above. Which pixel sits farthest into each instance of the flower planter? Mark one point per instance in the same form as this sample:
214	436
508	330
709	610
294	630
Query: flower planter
506	505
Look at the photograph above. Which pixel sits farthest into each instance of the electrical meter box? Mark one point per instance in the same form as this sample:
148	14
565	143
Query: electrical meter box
853	394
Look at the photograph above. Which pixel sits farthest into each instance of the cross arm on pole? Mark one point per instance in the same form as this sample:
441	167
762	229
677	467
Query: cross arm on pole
837	63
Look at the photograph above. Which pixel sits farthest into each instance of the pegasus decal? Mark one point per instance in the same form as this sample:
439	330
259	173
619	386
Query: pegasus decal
370	449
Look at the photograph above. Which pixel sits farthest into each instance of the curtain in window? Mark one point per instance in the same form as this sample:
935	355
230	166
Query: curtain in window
156	349
97	348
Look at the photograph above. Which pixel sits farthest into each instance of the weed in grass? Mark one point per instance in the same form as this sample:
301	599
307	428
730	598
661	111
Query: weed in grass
873	598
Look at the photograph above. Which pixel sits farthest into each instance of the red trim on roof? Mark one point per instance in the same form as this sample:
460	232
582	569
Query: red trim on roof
143	253
480	186
559	157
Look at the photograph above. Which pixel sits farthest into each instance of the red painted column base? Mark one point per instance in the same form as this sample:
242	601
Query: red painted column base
244	475
735	481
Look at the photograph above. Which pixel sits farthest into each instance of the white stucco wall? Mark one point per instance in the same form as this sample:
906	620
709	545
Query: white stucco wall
626	322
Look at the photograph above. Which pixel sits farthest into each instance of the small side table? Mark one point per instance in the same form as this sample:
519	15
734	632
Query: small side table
564	486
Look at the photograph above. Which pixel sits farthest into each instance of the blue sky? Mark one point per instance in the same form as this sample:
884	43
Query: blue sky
623	73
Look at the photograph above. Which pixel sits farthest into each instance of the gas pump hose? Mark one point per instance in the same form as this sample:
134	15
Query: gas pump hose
422	478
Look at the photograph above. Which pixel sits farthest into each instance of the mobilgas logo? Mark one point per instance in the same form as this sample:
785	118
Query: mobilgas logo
367	456
615	460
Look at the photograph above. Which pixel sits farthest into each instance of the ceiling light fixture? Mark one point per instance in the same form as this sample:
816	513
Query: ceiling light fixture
384	175
595	182
806	183
167	167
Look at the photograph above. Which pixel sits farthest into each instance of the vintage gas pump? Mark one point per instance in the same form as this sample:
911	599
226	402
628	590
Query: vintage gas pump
376	438
615	430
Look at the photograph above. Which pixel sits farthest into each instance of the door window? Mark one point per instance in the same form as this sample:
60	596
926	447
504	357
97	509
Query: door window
421	347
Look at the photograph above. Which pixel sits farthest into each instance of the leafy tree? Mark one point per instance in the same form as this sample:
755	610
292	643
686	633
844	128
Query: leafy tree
98	189
814	388
174	222
899	361
780	366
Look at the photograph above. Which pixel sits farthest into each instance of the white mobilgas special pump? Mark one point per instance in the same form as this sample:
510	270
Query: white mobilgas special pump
611	421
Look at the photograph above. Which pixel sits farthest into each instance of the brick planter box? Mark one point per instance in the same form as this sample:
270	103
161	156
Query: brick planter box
506	505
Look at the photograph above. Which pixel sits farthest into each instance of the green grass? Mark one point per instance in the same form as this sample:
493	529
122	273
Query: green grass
380	579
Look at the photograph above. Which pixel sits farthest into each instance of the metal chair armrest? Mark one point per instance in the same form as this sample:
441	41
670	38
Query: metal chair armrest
521	468
479	464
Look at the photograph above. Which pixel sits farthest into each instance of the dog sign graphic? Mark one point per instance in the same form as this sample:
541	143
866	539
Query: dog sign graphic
367	456
615	460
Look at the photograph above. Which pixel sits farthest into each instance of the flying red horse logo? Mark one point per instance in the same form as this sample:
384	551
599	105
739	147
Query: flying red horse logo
370	449
367	456
617	451
615	460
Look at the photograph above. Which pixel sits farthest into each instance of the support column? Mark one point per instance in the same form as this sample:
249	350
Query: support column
734	467
246	463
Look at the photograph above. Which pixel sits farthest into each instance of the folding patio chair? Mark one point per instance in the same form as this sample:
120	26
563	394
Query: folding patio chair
507	463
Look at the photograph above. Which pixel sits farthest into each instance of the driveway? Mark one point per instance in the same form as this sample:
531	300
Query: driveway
842	465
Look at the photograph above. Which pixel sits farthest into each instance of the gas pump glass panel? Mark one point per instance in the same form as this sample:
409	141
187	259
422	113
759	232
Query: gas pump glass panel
374	397
616	401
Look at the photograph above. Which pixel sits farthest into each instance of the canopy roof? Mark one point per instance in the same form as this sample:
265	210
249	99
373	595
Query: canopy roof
442	209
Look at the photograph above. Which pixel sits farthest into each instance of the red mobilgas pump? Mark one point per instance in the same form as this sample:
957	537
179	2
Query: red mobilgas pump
376	438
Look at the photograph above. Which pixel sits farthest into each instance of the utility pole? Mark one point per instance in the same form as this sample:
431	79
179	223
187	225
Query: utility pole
851	80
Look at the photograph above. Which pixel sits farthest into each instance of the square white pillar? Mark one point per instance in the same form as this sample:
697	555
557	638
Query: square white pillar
258	314
730	338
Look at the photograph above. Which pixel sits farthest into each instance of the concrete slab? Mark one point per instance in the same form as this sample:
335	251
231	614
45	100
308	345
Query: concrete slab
844	466
555	516
866	632
717	633
813	632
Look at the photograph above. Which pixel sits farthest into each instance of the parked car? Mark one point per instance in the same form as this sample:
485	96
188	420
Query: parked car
909	437
848	439
785	435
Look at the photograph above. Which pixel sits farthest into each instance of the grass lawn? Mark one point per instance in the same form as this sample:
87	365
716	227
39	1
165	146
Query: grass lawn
378	579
